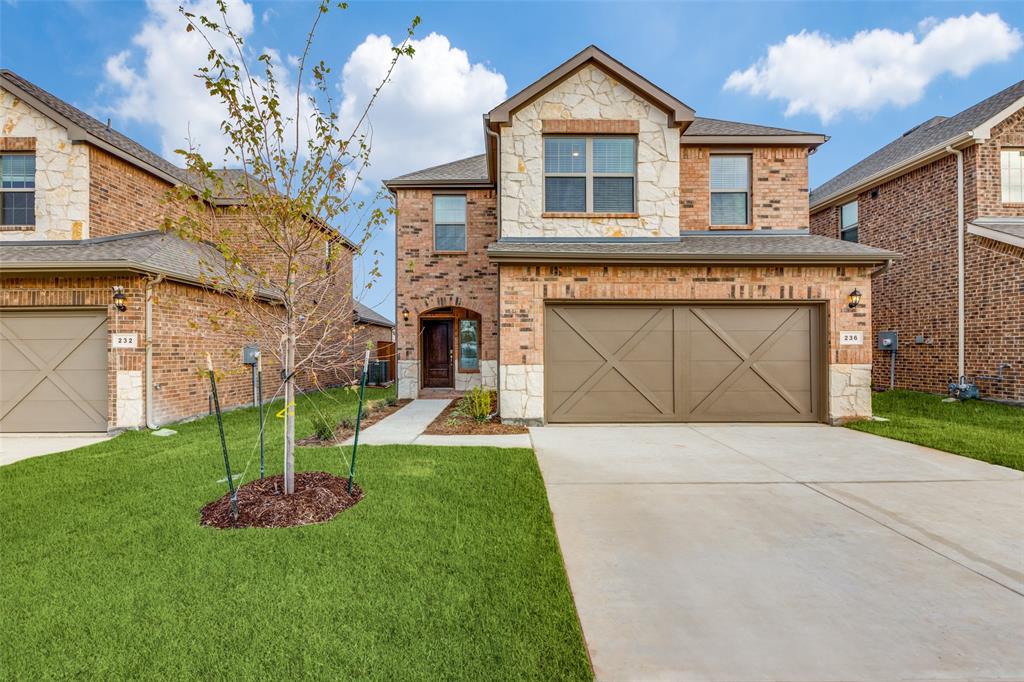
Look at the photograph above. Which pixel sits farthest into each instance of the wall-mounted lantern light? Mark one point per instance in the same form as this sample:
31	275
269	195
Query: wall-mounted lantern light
853	300
405	314
119	298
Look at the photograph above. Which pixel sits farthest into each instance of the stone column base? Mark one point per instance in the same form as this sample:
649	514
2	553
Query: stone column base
849	393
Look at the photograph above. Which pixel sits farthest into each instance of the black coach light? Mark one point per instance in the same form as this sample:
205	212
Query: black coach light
405	314
853	300
119	298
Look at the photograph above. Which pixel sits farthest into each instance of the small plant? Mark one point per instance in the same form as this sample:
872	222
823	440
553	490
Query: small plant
323	427
476	404
348	424
392	400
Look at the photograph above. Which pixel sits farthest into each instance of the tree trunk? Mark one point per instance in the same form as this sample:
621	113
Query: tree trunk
289	415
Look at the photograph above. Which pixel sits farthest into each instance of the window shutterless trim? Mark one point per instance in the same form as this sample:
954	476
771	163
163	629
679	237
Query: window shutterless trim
434	224
588	175
737	190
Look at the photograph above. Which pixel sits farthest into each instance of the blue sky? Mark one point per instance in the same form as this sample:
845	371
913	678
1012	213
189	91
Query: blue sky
112	59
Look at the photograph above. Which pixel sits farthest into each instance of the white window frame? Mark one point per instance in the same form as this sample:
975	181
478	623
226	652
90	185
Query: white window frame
736	190
843	229
20	190
588	173
1004	168
434	223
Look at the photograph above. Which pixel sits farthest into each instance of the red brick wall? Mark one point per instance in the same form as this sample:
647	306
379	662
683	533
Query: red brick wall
122	198
779	188
986	180
425	279
915	215
525	288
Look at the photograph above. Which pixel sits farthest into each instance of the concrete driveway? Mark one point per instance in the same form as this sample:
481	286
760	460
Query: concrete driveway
742	552
15	447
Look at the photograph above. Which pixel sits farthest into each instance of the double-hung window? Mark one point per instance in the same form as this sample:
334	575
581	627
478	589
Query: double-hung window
449	222
589	174
730	189
848	222
1011	173
18	189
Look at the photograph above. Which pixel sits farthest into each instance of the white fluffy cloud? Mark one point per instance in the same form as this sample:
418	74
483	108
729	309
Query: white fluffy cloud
815	73
430	111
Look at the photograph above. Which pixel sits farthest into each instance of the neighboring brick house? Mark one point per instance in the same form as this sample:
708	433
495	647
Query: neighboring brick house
951	320
613	257
82	208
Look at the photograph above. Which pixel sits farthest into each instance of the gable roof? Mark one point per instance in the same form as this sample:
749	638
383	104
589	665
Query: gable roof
82	126
368	315
921	144
678	113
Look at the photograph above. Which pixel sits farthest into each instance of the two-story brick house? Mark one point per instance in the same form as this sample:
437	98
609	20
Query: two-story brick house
949	196
613	257
99	308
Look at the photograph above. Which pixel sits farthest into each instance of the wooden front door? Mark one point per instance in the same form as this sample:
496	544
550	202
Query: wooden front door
437	354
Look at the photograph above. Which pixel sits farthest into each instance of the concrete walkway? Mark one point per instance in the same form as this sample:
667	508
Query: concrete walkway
798	553
406	426
15	447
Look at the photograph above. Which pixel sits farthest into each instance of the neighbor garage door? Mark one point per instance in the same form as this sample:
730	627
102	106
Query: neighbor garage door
53	371
660	363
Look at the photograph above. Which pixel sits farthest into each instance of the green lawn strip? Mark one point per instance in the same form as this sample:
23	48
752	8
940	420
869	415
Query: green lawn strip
986	431
449	568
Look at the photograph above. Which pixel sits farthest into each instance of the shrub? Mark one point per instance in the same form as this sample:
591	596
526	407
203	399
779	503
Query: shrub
477	404
323	427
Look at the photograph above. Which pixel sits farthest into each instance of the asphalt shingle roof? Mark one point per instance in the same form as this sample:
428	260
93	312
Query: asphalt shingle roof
368	315
935	132
710	247
714	126
152	251
472	169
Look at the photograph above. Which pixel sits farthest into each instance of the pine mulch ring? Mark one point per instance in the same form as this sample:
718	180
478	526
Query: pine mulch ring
318	497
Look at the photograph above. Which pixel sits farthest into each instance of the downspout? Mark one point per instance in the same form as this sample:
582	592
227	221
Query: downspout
150	283
497	217
960	372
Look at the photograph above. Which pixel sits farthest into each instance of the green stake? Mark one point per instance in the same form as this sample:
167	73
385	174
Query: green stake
359	417
223	441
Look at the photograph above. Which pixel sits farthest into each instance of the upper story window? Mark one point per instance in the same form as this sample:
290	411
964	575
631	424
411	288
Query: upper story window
589	174
1011	172
848	222
730	189
18	189
449	222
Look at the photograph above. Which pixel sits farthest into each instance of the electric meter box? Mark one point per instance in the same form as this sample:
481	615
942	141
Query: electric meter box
888	340
249	354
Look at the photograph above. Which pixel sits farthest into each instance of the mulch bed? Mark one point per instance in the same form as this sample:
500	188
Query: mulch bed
318	497
449	424
343	433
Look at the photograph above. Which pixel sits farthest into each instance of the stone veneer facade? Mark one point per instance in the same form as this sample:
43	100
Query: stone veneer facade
589	95
62	172
526	288
915	214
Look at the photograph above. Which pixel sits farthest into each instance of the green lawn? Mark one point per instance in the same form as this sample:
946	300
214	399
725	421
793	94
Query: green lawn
986	431
449	568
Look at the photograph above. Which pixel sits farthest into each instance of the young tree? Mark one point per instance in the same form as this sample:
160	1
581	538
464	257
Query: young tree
294	175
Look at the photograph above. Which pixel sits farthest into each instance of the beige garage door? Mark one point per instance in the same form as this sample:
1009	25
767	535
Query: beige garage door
53	371
663	363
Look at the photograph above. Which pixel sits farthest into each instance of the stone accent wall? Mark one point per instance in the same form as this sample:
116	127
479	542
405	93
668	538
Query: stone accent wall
525	289
915	215
425	279
131	399
589	95
62	172
778	188
849	390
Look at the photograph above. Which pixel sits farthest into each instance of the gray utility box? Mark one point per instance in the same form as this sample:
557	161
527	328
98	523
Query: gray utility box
249	354
888	340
